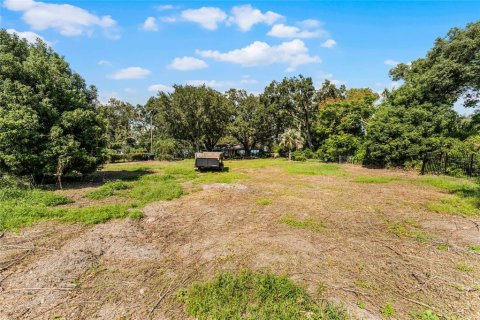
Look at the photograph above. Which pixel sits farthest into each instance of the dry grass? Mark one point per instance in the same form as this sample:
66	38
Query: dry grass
376	249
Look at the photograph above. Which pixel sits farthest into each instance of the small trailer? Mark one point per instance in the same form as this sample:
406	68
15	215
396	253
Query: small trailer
209	161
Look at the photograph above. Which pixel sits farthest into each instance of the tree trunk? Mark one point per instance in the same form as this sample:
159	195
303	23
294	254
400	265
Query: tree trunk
289	155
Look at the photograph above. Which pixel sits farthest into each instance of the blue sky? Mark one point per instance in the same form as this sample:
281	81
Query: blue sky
130	49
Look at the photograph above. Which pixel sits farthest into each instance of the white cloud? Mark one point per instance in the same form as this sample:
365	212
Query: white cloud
150	24
207	17
246	16
293	53
67	19
129	90
390	62
28	35
247	80
187	63
330	43
211	83
165	7
160	87
168	19
104	63
284	31
130	73
309	23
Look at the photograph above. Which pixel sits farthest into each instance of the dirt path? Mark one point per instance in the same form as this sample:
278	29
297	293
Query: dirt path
127	269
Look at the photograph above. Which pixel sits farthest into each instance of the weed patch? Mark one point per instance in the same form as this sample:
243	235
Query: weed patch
308	224
108	189
464	198
367	179
264	202
407	229
474	248
249	296
464	268
313	169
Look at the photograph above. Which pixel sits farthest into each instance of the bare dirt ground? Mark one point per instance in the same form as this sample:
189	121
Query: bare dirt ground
128	269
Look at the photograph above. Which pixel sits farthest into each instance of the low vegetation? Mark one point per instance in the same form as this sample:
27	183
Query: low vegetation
247	295
308	224
463	195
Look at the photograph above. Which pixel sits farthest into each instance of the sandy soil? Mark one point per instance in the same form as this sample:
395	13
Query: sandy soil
127	269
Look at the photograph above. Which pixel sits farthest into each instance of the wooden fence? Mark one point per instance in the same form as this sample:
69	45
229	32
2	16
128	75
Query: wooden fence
455	164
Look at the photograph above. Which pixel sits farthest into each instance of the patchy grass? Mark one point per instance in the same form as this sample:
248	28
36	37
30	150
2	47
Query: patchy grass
443	247
454	204
248	296
364	284
367	179
388	310
407	228
25	211
464	198
313	168
308	224
264	202
464	268
426	315
155	188
474	248
108	189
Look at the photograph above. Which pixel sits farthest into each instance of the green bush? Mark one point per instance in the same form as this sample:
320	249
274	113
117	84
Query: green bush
170	149
116	157
300	157
137	157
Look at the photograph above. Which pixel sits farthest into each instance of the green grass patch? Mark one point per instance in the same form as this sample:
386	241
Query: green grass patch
108	189
388	310
364	284
425	315
250	296
155	188
464	268
367	179
407	228
454	204
474	248
464	198
18	213
313	168
308	224
443	247
264	202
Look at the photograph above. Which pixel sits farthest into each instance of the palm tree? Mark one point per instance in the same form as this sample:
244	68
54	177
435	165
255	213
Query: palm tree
291	139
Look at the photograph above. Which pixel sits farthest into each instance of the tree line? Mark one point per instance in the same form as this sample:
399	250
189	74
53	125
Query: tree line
51	122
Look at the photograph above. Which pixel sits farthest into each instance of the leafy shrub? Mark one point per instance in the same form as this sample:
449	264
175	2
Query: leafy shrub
170	149
300	158
116	157
137	157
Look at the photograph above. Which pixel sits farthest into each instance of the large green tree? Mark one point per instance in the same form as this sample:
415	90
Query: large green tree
251	122
293	101
120	122
48	121
197	114
419	116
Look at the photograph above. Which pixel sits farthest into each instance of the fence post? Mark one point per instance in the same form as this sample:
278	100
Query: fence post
446	164
424	164
470	167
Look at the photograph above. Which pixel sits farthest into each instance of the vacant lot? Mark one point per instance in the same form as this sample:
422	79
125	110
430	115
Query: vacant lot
130	243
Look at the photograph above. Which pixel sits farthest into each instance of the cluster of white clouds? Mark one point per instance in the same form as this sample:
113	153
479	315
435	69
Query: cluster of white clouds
67	19
28	35
293	53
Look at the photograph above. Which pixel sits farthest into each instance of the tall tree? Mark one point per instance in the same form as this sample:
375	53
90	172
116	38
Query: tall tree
48	122
293	100
251	123
199	115
291	139
417	116
120	118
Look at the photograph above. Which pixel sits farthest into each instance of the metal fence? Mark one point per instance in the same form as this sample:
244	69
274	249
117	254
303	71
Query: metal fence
456	164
